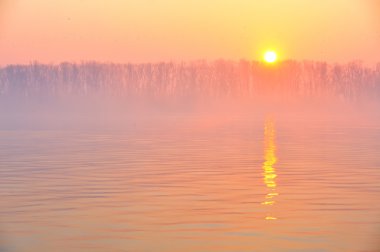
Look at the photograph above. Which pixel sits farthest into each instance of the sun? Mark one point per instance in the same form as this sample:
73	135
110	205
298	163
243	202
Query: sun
270	56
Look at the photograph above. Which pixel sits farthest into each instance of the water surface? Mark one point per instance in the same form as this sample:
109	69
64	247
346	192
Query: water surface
252	183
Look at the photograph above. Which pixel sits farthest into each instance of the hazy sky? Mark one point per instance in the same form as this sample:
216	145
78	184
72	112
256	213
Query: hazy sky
51	31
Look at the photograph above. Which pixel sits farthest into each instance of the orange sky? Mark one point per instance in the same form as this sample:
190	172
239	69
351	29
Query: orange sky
154	30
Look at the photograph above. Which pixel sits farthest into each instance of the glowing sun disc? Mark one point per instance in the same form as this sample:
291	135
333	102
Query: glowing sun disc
270	56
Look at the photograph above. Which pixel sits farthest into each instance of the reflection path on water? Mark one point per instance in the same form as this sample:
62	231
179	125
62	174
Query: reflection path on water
270	160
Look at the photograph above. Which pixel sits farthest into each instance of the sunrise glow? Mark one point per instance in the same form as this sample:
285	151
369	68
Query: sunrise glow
270	57
201	125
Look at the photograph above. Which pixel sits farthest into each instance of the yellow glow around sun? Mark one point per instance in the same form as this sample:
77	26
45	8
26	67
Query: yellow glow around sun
270	56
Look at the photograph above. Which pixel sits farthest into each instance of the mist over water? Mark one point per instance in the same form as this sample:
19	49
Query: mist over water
199	156
98	94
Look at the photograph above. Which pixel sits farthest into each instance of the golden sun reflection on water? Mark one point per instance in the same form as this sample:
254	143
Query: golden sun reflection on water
268	165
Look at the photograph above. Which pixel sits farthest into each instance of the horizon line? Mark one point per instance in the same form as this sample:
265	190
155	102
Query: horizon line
83	62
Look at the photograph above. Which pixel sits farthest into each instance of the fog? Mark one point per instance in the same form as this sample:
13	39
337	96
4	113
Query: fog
117	96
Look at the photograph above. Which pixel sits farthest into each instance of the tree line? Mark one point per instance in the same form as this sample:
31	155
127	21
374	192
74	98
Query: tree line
243	79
